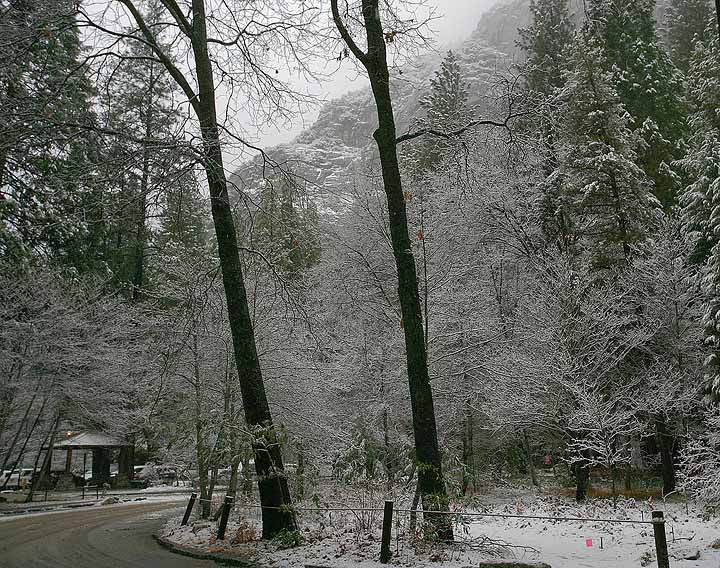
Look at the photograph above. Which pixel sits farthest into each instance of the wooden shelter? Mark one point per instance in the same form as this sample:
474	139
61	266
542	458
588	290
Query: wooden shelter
102	446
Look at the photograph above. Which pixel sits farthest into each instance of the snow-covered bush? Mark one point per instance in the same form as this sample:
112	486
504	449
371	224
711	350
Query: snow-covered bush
700	462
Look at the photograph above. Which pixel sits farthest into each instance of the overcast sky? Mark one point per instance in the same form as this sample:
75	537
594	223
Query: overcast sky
456	20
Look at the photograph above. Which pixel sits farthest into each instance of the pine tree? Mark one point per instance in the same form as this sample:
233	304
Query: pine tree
47	199
446	108
687	22
701	199
648	84
184	216
447	101
546	42
286	227
607	194
145	160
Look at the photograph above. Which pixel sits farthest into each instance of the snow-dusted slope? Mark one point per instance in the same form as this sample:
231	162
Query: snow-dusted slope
331	152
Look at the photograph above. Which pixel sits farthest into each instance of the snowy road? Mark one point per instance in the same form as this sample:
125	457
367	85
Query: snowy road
113	536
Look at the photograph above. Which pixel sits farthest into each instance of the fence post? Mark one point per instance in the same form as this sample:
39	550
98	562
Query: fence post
386	533
227	505
189	509
661	549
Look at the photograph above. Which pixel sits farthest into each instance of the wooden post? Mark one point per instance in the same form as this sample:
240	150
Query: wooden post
189	509
386	533
68	462
227	505
661	549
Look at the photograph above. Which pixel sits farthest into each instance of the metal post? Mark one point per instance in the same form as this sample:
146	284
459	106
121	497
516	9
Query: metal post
661	549
385	553
189	509
97	491
83	492
227	505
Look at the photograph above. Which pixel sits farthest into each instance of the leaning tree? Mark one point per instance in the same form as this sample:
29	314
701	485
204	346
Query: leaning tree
224	51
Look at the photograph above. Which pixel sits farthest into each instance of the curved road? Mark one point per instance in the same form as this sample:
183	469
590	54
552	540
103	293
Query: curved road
111	536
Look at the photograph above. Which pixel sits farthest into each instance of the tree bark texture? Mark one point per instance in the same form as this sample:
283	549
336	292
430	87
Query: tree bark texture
531	463
582	474
274	493
665	443
429	464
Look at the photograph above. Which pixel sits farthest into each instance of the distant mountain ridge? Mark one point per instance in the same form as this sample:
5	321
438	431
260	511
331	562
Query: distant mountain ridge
330	152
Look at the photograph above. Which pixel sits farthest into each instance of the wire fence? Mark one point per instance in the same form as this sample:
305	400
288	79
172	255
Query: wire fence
406	531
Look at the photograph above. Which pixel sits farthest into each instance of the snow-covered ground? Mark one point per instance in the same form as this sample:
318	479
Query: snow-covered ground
562	544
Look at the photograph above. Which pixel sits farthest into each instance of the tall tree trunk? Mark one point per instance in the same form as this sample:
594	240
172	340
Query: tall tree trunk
628	479
413	511
468	451
246	475
36	481
300	473
201	451
430	475
389	458
21	453
8	393
16	437
665	443
272	484
582	477
141	232
233	483
530	461
44	480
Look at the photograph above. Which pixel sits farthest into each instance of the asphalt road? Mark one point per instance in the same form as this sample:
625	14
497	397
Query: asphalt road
111	536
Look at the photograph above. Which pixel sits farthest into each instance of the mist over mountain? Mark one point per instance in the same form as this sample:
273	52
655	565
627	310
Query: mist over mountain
326	156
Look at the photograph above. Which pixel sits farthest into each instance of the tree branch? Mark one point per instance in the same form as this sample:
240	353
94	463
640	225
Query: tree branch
166	61
460	131
179	17
345	34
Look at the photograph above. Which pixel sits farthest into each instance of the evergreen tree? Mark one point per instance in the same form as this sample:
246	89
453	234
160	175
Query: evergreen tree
286	226
447	101
145	160
648	84
48	200
184	216
546	41
701	199
446	108
607	194
687	23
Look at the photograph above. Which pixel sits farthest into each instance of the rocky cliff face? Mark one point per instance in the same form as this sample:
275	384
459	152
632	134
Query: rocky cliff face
328	155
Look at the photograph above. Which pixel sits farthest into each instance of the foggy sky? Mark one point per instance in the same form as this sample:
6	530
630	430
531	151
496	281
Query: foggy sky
456	20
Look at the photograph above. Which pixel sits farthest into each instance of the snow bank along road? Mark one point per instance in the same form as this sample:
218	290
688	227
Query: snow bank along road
111	536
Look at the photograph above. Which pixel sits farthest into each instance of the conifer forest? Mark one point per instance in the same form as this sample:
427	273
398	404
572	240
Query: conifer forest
269	267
